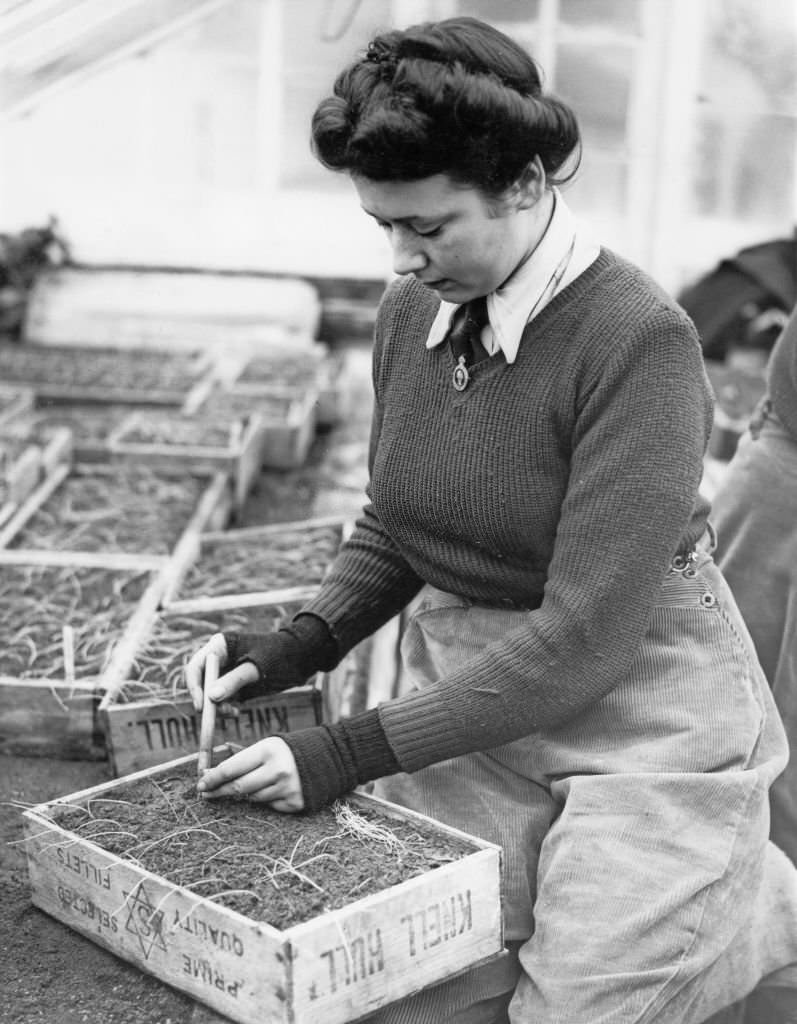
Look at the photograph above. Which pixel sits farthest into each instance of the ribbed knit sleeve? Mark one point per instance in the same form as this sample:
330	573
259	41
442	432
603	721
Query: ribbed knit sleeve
782	376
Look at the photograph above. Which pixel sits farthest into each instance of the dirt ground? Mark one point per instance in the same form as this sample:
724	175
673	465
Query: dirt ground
48	973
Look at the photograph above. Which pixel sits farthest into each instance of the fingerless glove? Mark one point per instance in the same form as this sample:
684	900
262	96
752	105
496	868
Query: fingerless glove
333	759
285	658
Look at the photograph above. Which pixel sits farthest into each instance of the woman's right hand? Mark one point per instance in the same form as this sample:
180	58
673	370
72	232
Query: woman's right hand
227	685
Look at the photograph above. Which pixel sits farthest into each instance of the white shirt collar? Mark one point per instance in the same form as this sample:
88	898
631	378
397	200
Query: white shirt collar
564	245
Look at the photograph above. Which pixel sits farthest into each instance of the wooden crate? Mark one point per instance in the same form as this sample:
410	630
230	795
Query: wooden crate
84	373
90	424
272	557
46	712
288	561
336	967
147	715
310	369
287	419
212	510
178	444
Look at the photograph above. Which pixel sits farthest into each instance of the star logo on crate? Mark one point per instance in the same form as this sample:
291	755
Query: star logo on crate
144	921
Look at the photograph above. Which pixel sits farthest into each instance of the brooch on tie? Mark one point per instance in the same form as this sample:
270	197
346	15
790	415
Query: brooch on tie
461	377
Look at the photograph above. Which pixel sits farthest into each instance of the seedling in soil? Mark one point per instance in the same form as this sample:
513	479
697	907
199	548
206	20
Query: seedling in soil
37	602
125	508
247	562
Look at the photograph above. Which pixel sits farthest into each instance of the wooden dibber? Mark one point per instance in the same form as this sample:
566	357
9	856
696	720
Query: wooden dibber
208	724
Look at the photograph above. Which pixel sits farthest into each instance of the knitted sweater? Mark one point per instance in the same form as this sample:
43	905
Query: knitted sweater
564	483
782	376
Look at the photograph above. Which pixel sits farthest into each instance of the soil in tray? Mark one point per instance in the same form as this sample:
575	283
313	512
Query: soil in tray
37	602
297	557
279	868
90	422
124	508
118	369
224	432
300	371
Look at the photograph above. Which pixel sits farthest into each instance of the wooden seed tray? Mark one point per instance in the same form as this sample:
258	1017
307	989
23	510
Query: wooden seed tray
285	561
211	511
74	373
313	370
146	712
91	424
336	967
287	419
48	711
234	446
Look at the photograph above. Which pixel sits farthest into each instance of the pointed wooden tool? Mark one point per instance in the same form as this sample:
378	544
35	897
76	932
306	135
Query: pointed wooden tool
207	726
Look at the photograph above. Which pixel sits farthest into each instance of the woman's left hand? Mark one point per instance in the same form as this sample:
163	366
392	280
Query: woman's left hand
263	773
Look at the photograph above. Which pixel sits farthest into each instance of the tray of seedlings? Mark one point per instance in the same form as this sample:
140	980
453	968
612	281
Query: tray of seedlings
74	373
146	712
287	419
120	509
262	916
90	423
304	369
14	401
59	625
282	562
207	442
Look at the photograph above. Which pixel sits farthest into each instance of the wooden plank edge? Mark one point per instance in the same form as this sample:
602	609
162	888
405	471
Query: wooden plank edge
245	532
251	599
115	673
120	560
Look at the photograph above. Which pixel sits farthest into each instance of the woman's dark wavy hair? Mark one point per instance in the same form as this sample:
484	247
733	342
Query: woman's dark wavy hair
453	97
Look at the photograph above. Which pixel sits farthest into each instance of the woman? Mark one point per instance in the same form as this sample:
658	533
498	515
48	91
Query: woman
584	692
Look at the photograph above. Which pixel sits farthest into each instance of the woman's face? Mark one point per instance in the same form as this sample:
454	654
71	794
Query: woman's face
450	236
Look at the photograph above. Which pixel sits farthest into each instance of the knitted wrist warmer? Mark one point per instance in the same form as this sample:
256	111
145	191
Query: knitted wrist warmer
285	658
333	759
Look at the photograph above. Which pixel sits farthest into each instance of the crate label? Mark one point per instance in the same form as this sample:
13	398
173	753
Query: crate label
362	955
141	736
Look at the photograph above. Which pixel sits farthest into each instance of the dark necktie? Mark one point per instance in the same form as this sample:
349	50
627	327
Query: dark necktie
464	336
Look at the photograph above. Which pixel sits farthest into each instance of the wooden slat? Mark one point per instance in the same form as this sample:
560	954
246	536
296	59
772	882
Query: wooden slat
120	560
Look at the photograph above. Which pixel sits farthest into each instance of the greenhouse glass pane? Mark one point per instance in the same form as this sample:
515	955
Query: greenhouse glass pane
623	15
318	41
499	12
596	81
732	181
